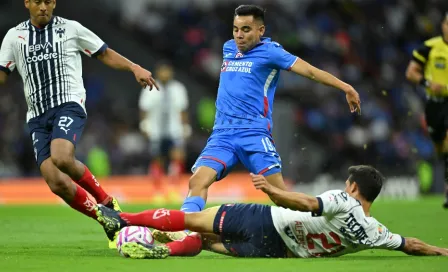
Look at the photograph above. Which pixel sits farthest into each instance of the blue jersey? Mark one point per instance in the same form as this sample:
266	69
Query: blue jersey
247	84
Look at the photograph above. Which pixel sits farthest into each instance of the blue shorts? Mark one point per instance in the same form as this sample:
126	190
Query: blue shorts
65	121
254	148
247	230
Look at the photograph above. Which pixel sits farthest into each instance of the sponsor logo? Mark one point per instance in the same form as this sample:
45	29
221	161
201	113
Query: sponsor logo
42	57
38	47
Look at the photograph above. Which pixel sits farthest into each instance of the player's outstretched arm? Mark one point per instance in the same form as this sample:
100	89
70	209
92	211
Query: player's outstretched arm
291	200
305	69
414	246
114	60
3	77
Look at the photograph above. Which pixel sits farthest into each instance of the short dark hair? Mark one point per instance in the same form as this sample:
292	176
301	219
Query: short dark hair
246	10
369	180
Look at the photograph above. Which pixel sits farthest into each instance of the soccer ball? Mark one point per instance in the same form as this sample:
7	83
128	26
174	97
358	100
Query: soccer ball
140	235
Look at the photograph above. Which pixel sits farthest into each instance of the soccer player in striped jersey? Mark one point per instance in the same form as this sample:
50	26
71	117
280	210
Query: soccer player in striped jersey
331	224
46	51
243	122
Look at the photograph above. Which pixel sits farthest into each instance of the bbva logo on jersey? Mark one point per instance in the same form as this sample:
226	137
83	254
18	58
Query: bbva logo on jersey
38	47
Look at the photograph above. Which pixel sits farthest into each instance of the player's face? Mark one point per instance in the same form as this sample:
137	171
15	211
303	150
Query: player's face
40	10
164	73
247	32
445	28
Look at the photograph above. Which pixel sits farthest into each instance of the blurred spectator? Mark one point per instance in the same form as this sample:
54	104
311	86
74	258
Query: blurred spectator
367	43
164	120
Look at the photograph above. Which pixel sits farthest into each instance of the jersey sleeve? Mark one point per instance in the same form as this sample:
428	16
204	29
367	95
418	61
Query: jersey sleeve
183	97
145	101
88	42
279	58
332	202
7	60
388	240
421	54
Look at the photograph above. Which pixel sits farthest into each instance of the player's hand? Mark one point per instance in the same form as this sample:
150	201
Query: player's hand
144	77
436	88
353	100
261	183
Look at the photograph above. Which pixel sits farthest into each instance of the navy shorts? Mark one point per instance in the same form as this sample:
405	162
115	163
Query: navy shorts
65	121
247	230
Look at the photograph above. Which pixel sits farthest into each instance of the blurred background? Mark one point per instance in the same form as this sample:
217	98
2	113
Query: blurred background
367	43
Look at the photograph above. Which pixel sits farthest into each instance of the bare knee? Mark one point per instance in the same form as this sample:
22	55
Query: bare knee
61	187
202	179
63	161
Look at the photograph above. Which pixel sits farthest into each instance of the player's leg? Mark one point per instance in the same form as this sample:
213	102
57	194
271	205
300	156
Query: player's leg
176	157
437	125
445	159
258	154
246	230
215	161
156	166
62	186
58	182
160	219
68	126
213	242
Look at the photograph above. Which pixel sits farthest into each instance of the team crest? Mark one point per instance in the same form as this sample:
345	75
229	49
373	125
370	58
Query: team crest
380	228
224	66
60	32
440	63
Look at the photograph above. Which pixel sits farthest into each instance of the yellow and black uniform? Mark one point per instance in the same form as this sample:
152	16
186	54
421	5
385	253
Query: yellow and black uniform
433	56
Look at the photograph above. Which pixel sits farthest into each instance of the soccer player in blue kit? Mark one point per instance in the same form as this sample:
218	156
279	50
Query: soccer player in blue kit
243	122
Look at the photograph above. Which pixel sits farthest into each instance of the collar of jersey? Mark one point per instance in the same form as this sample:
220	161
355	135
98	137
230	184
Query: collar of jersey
40	29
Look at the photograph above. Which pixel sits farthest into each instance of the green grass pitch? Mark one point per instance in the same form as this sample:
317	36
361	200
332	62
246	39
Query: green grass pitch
54	238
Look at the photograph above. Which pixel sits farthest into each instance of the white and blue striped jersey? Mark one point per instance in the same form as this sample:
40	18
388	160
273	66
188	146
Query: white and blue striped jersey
340	227
49	61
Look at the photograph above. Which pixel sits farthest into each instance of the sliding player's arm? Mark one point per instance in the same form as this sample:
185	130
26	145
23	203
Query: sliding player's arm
91	45
291	200
408	245
416	247
7	60
305	69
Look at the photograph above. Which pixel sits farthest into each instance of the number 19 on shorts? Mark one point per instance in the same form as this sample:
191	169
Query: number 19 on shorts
267	144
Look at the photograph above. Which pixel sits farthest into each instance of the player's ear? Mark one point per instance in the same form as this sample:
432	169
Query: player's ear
353	187
54	4
27	4
262	29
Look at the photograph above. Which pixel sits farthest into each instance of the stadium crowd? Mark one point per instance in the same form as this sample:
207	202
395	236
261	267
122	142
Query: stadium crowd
366	43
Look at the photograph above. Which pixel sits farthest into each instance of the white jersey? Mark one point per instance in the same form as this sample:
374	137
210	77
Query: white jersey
49	61
341	227
163	110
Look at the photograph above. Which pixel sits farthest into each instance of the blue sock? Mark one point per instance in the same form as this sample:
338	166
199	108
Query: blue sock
193	204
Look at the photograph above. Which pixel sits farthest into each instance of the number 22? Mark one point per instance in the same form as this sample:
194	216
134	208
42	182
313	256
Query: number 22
321	236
